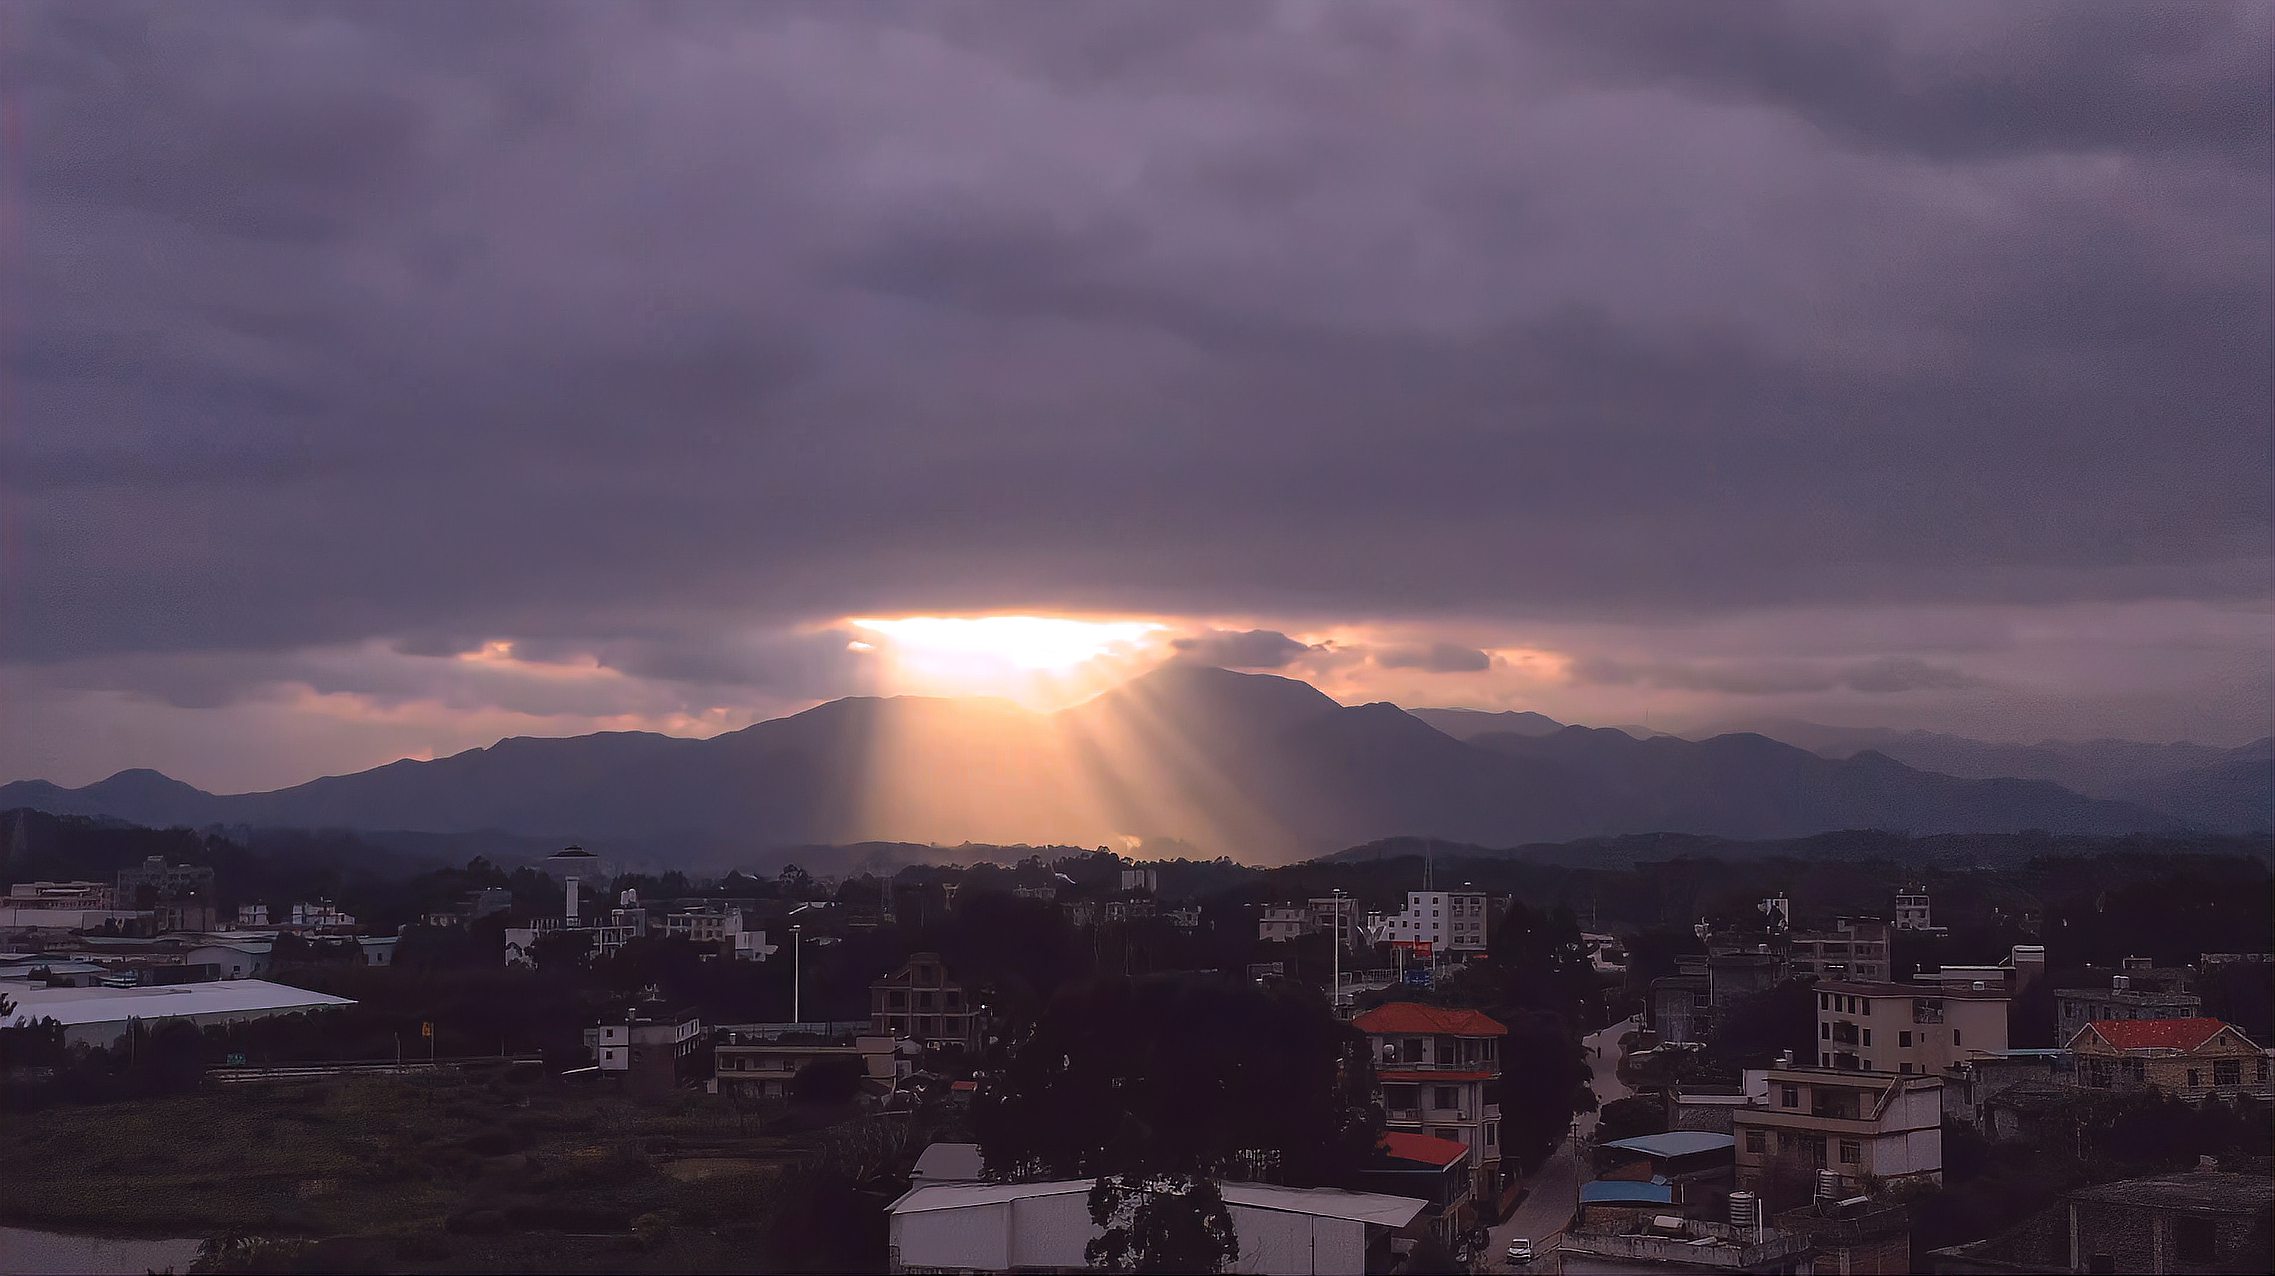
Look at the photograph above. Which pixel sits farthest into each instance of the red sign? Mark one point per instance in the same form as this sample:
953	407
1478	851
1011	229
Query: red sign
1416	947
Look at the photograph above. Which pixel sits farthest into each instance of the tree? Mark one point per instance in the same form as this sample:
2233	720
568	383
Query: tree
1182	1075
1629	1118
828	1081
1165	1223
1543	1078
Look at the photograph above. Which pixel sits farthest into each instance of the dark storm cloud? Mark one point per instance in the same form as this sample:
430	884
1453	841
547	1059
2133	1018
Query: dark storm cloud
1437	657
1250	649
652	335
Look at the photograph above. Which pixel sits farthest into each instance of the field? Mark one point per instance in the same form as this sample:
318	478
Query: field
504	1172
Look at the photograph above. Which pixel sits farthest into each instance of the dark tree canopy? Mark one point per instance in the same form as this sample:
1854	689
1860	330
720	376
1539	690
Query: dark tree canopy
1755	1030
1183	1075
1175	1223
827	1081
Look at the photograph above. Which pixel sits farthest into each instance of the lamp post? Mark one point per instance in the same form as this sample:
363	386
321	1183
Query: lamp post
1335	990
797	973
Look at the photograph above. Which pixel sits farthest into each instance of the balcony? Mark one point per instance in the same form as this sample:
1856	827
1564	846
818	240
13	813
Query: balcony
1411	1116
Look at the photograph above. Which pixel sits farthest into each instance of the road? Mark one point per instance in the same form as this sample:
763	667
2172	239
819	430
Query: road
1553	1190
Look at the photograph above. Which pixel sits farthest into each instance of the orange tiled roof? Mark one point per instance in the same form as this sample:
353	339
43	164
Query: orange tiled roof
1426	1148
2156	1034
1420	1020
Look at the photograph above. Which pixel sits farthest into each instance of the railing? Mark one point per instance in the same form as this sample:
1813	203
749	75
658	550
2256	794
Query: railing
1402	1114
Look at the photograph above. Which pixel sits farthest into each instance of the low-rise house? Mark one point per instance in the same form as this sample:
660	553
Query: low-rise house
2074	1008
1669	1157
378	950
1438	1172
655	1049
1003	1227
1859	1125
1856	1236
925	1003
1440	1074
1680	1007
1668	1243
2201	1221
1908	1029
760	1059
234	959
321	914
1284	922
1971	1084
2184	1058
2047	1114
47	896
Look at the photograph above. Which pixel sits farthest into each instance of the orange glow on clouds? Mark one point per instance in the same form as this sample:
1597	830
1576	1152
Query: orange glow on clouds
1043	662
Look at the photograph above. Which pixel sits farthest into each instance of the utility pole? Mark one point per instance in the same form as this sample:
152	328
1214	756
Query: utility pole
797	974
1335	989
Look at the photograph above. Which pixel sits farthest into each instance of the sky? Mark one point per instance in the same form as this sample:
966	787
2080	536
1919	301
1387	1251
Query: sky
381	380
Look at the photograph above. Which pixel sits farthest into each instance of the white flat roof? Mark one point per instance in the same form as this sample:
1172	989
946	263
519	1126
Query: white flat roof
74	1006
1320	1202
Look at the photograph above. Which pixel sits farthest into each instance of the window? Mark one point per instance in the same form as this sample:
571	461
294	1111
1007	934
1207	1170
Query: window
1825	1060
1445	1096
1824	1031
1955	1036
1868	1036
2195	1078
2227	1072
1851	1152
1488	1136
1789	1096
1903	1039
1904	1068
1756	1141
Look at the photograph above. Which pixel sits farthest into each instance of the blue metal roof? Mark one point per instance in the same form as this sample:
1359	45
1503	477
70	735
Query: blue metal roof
1676	1143
1617	1192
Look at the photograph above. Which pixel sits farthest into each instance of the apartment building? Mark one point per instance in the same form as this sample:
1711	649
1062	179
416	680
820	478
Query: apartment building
1859	1125
923	1002
1908	1029
654	1049
1440	1073
2184	1058
2123	999
1855	948
1457	922
1915	909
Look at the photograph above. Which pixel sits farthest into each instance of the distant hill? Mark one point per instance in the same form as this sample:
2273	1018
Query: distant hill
1262	768
1468	724
2231	789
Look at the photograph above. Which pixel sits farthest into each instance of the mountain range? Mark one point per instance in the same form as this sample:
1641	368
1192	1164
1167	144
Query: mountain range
1258	767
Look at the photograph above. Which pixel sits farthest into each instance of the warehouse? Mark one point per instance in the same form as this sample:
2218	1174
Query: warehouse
99	1016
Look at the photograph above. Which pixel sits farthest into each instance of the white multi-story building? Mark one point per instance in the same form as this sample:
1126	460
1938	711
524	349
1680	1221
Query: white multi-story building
1457	922
1908	1029
1862	1126
1912	909
1285	922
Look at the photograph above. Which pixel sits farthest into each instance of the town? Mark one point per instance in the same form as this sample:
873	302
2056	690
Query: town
1410	1059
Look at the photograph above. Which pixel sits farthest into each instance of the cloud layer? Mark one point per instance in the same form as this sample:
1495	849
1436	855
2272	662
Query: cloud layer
346	340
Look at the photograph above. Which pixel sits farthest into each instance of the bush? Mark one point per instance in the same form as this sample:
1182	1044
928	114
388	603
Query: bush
828	1081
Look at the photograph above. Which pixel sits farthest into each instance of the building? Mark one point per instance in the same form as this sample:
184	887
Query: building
234	958
1914	910
2184	1058
164	882
578	863
1680	1009
1440	1073
1859	1125
1908	1028
1284	923
1456	922
1437	1172
40	896
1668	1243
1002	1227
2201	1221
922	1002
760	1059
1858	1236
948	1163
655	1049
1855	948
1145	878
2074	1008
99	1016
1971	1084
2023	966
322	914
1671	1157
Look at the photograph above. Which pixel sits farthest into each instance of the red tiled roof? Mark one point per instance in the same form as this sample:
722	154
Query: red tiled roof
1432	1074
1426	1148
964	1085
1414	1017
2156	1034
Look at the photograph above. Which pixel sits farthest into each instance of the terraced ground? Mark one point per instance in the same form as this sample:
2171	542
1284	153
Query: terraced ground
515	1170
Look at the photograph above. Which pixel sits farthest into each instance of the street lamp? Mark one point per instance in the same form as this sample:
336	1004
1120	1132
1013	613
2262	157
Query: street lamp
797	972
1335	990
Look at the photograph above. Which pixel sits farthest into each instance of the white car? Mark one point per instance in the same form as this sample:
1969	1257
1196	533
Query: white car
1520	1251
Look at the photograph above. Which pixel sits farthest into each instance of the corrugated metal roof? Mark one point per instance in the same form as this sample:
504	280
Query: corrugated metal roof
1620	1192
73	1006
1364	1207
1675	1143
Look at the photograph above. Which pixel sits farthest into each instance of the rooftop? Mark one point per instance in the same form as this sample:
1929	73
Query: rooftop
1622	1192
1317	1202
948	1163
1676	1143
1435	1074
1414	1017
1850	988
74	1006
2197	1191
2154	1034
1428	1149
